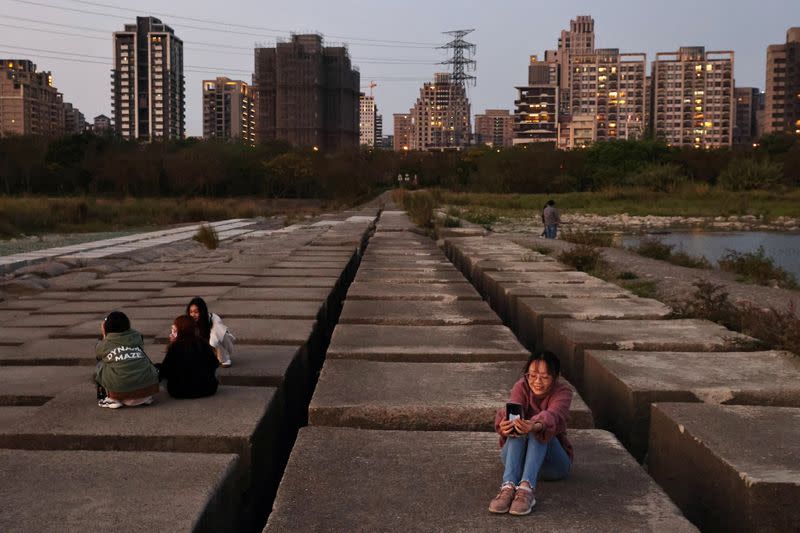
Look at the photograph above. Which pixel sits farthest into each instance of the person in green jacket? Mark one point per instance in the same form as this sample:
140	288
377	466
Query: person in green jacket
123	368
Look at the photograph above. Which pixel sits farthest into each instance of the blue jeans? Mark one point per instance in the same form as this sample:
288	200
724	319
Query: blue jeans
527	459
550	231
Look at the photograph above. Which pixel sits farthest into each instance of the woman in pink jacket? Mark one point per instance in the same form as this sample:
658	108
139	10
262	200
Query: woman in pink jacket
535	445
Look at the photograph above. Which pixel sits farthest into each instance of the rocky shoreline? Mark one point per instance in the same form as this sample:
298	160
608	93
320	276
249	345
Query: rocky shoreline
624	223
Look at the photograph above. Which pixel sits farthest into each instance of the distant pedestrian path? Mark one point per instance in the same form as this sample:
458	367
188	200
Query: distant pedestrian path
225	229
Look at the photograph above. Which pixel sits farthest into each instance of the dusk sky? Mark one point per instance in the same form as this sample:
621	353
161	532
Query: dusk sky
506	33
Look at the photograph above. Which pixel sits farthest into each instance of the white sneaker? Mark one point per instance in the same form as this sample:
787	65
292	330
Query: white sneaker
110	403
226	360
138	401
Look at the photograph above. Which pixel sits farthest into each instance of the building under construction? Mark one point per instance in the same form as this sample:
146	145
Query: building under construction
440	120
306	94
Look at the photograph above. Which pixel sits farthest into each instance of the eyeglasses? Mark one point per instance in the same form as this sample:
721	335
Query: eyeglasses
539	377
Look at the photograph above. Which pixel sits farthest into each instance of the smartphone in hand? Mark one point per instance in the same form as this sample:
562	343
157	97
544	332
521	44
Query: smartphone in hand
513	412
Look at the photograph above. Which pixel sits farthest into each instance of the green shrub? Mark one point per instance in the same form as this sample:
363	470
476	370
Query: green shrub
643	288
588	238
544	250
420	206
657	177
756	267
582	257
480	217
654	248
207	236
451	222
627	275
750	174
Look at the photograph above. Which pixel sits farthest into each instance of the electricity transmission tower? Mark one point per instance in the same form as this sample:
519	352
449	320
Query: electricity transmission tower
461	62
458	113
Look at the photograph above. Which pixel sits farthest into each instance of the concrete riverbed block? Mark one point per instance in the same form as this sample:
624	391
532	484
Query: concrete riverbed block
457	396
213	280
14	336
569	338
35	385
620	386
257	365
148	327
10	415
292	281
531	312
417	313
33	304
446	292
58	352
366	275
191	292
476	343
134	285
74	307
269	309
82	491
292	265
729	468
314	294
271	330
302	273
373	480
247	421
54	320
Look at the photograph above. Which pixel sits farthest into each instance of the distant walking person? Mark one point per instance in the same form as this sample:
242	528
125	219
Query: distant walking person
212	330
551	218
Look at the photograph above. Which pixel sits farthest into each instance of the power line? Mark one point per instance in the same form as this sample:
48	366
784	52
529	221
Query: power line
244	26
186	26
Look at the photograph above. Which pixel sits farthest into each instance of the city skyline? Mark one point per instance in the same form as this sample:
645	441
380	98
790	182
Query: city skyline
506	35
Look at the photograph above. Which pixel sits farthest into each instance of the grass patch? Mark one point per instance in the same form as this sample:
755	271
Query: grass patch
683	259
207	236
588	238
656	249
582	257
482	217
643	288
544	250
687	200
451	222
756	267
33	215
627	275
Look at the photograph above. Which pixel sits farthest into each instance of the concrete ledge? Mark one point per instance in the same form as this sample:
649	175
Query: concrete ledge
10	415
569	338
292	281
531	312
35	385
729	468
620	386
443	481
56	352
418	313
429	344
419	396
422	291
400	276
268	309
314	294
85	491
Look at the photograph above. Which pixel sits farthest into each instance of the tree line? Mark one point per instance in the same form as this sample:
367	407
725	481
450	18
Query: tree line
108	166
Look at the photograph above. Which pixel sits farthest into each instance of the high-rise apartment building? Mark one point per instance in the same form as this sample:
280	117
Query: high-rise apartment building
378	130
74	120
29	102
495	127
578	39
402	131
693	102
440	120
367	123
148	85
611	87
536	114
306	94
782	100
228	111
745	130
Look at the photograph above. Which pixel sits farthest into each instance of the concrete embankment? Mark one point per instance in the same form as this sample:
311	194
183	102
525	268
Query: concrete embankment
211	464
714	421
400	434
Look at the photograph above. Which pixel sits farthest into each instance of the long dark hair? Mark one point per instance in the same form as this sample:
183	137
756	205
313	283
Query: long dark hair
204	323
186	328
116	322
550	360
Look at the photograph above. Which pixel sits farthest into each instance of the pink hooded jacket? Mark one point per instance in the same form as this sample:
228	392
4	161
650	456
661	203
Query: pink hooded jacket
552	412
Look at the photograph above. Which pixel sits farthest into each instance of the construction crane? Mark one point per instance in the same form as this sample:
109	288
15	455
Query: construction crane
372	85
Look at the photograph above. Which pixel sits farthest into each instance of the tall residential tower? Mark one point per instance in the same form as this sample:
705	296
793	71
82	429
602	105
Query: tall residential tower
782	101
228	111
29	102
148	86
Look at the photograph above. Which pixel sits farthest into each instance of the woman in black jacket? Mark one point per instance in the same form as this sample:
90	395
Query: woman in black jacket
190	363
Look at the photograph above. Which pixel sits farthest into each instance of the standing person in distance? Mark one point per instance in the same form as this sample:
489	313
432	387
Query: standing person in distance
551	218
534	446
212	330
124	371
190	363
